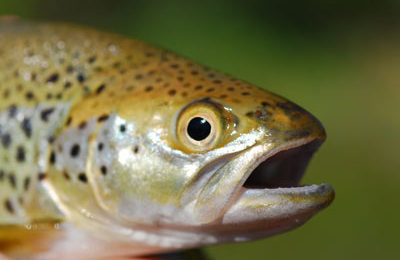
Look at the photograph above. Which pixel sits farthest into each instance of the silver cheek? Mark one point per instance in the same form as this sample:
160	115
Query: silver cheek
143	177
147	181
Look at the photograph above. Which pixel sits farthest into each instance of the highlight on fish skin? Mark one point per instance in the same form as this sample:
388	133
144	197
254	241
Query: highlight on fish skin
112	147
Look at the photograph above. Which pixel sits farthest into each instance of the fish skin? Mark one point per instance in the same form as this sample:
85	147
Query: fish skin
66	90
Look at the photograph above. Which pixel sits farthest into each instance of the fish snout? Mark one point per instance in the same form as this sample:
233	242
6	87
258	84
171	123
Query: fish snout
297	123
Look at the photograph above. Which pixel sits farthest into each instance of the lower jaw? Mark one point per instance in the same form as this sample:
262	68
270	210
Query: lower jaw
262	213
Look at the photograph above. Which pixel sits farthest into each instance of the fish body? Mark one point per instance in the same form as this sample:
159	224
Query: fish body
110	146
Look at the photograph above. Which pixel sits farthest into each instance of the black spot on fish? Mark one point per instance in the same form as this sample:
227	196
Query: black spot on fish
80	78
136	149
82	125
250	114
6	140
75	150
44	115
26	127
103	170
27	183
103	117
260	114
122	128
42	176
265	104
12	180
52	158
12	111
51	139
100	146
284	105
8	206
29	95
82	177
100	88
67	85
291	110
20	156
68	122
53	78
92	59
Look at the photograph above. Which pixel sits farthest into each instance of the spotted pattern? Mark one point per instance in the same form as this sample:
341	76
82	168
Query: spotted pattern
24	134
72	97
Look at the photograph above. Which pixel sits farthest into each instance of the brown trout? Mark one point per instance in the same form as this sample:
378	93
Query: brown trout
111	147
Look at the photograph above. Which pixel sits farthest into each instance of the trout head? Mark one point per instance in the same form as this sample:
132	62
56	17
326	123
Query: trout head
211	160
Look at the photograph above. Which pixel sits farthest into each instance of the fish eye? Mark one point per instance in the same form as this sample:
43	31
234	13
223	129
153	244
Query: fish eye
201	126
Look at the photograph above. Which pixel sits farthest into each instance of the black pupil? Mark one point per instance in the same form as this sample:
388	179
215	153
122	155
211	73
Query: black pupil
199	128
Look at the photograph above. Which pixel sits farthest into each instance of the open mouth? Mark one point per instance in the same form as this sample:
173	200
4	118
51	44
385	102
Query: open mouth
284	169
260	186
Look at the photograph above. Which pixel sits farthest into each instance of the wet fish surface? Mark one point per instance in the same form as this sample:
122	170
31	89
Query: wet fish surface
111	147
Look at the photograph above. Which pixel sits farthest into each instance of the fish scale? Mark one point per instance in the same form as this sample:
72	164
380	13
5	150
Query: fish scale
49	71
95	140
22	161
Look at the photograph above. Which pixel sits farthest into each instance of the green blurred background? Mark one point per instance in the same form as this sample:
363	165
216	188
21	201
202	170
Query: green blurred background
338	59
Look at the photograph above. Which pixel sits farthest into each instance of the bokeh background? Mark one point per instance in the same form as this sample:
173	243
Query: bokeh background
338	59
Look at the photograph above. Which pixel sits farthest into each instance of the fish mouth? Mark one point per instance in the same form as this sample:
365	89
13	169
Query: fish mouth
283	169
271	199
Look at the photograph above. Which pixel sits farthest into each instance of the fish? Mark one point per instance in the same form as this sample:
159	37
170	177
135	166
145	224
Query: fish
111	147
